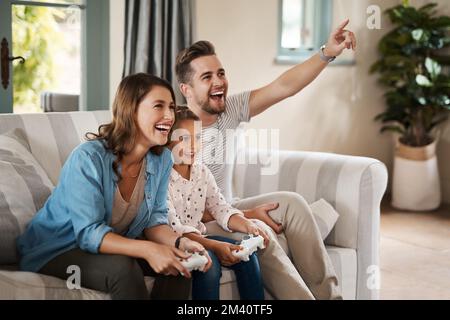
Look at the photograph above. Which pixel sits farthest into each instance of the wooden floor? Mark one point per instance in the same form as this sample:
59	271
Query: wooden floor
415	254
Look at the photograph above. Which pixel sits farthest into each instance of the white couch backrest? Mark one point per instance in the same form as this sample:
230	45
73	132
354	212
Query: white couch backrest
52	136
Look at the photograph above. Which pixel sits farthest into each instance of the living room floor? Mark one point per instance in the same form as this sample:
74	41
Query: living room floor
415	254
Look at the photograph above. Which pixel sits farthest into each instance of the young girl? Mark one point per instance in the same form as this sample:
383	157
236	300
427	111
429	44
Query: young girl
192	190
112	189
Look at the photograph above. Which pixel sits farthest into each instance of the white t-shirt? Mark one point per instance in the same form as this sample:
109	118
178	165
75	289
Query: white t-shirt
215	154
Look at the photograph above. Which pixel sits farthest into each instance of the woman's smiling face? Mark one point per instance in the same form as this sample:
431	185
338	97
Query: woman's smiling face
155	116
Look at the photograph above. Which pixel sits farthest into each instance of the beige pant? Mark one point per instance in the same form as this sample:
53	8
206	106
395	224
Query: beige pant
308	274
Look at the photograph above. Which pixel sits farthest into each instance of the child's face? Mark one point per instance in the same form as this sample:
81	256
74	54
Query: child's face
186	141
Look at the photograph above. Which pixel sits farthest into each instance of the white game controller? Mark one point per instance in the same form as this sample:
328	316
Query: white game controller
250	244
195	262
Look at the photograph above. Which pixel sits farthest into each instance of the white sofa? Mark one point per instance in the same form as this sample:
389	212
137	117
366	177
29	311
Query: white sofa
353	185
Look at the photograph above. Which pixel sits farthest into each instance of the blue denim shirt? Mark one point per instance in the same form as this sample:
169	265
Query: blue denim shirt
78	212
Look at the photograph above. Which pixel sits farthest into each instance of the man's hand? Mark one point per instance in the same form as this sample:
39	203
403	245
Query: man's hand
296	78
262	213
339	40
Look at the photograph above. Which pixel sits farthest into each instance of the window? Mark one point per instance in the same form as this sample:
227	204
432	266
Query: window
48	36
65	47
304	27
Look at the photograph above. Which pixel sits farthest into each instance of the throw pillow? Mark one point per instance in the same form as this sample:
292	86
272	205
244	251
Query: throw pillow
24	188
325	216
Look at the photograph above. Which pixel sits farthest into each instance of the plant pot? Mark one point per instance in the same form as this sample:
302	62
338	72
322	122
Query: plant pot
416	184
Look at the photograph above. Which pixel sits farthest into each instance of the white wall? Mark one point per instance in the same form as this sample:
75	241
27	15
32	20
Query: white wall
117	38
444	141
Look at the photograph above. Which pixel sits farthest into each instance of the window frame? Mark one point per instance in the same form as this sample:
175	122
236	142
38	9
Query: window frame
95	57
322	27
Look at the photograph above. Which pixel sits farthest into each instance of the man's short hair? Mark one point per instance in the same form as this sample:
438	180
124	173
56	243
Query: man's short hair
183	68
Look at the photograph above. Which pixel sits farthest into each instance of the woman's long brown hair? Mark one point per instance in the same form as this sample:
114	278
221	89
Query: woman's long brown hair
120	134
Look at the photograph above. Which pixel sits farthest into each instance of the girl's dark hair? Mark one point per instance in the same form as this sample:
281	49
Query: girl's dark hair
184	113
120	134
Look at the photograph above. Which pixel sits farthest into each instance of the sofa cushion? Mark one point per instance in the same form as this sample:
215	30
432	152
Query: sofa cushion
16	284
29	285
24	188
345	264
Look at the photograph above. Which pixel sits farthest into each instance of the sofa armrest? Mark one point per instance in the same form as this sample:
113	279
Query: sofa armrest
354	186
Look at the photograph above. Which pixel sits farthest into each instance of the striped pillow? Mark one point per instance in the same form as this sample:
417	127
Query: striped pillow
24	188
325	216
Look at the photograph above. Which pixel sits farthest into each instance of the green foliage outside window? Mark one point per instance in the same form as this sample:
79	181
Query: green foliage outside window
35	37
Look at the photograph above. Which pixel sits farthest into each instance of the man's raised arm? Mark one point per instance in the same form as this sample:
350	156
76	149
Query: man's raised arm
295	79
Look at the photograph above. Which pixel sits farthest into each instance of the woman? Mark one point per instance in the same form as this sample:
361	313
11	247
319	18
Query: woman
113	189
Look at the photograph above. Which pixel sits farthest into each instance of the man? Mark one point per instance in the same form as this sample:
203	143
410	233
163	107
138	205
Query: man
204	85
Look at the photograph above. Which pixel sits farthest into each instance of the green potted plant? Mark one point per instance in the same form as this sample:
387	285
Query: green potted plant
412	68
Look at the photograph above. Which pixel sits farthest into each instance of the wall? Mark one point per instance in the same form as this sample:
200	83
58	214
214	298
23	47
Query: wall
335	113
444	141
116	43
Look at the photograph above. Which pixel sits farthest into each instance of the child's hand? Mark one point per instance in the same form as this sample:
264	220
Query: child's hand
207	216
224	252
209	264
252	228
241	224
187	244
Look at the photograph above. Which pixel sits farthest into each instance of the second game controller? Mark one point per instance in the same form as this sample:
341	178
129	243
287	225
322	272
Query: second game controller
249	244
